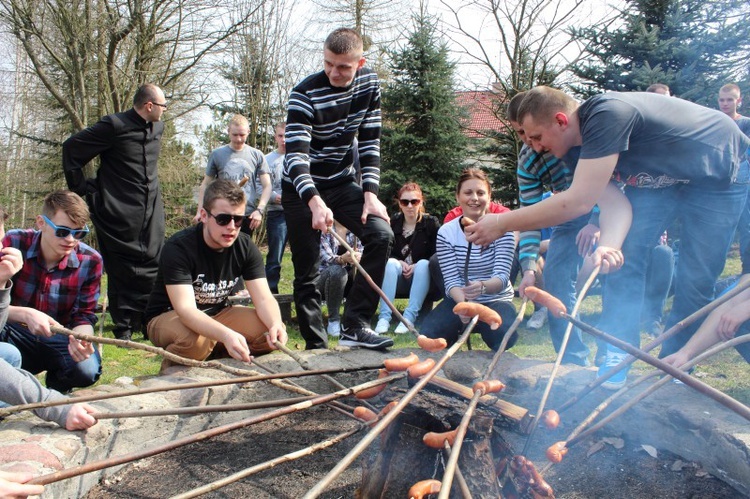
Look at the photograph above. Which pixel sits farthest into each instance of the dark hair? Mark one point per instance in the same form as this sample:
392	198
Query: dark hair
513	105
413	186
145	93
344	41
69	203
223	189
473	173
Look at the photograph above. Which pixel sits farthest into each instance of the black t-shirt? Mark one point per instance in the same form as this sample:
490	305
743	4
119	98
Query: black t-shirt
186	259
662	141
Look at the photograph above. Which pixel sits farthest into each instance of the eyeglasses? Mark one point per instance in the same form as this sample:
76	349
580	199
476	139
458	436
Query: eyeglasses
62	232
224	218
407	202
163	106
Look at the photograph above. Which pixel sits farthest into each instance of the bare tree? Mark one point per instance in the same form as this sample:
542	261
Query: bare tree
519	43
91	55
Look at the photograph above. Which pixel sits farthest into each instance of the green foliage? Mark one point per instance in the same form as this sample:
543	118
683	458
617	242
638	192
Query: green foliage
692	46
422	136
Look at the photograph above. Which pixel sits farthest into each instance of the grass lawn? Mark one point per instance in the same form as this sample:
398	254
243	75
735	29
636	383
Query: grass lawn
727	371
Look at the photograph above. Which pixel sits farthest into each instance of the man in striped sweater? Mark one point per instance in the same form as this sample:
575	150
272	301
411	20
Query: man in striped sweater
326	112
535	172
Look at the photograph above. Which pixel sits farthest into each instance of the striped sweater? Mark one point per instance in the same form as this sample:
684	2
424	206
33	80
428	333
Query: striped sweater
485	263
534	172
322	123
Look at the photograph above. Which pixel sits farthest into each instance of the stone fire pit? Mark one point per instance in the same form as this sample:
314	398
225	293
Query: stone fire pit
675	419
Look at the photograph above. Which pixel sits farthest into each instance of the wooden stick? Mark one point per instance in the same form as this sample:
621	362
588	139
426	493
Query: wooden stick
206	434
459	476
558	360
666	379
373	285
506	337
268	464
578	434
694	383
306	366
452	465
184	386
289	386
656	342
383	423
181	411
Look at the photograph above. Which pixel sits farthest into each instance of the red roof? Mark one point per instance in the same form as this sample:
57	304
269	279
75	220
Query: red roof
481	106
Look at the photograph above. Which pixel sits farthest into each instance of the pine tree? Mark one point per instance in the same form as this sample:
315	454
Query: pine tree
691	45
422	136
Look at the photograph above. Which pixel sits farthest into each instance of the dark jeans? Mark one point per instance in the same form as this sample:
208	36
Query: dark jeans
658	281
560	271
441	322
709	216
277	235
51	354
346	201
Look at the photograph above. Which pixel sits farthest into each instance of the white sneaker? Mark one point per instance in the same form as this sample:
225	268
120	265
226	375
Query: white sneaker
334	328
537	319
382	326
401	328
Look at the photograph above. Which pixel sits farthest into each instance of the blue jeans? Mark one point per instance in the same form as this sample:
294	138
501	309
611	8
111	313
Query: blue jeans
441	322
331	284
709	215
276	235
40	353
418	285
10	354
560	270
658	281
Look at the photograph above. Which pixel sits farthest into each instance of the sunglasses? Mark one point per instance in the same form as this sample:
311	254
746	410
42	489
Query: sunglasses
407	202
62	232
224	218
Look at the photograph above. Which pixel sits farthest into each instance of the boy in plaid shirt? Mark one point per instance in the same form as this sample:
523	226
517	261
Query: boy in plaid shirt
57	286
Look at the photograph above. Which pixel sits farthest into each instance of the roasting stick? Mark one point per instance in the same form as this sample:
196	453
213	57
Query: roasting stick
184	386
206	434
480	389
182	411
558	360
306	366
236	477
285	385
656	342
578	434
459	476
373	285
675	372
381	425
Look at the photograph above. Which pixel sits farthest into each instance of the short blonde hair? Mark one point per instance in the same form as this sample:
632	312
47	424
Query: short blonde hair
239	120
541	103
731	87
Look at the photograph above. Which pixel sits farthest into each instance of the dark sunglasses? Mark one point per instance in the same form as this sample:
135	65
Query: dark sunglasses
224	218
62	232
407	202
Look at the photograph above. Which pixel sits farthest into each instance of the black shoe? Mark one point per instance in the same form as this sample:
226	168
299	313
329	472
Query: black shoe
358	336
124	335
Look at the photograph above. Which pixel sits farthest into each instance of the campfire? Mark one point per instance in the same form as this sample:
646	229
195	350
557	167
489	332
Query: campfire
423	436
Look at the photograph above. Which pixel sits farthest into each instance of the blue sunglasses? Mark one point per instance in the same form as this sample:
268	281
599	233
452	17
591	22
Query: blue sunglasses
63	232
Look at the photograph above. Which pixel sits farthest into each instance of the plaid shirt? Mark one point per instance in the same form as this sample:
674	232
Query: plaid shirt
68	293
